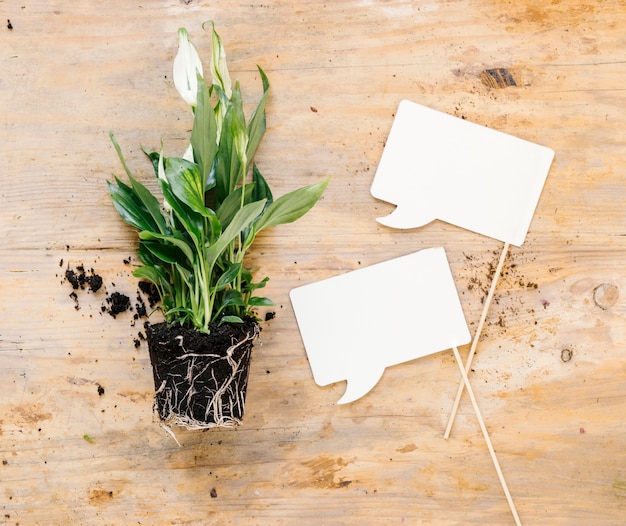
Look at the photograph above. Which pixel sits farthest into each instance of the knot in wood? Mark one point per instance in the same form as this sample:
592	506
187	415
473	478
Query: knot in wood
605	295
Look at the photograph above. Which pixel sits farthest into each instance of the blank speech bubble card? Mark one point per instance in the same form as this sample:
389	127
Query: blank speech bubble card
355	325
437	166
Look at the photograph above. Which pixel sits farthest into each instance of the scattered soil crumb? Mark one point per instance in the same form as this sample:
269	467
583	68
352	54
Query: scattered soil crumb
74	296
140	310
150	291
118	303
507	303
80	278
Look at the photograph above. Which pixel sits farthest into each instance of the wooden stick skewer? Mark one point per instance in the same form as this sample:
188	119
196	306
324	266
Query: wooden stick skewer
483	316
470	392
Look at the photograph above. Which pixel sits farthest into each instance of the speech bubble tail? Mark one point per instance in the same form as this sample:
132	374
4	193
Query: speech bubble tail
404	217
359	386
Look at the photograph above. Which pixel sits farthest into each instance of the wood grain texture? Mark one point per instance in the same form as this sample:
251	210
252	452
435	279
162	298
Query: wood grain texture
78	444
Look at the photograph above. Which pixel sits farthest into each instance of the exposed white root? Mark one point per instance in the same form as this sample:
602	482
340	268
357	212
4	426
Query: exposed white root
168	430
225	397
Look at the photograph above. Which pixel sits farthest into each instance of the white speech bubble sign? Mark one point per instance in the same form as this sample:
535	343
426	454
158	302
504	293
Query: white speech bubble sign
436	166
355	325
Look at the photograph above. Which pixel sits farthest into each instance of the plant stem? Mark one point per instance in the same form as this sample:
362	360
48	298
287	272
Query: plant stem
206	292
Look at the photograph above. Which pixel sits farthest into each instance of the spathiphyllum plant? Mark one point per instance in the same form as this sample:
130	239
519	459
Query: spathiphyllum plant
215	201
194	237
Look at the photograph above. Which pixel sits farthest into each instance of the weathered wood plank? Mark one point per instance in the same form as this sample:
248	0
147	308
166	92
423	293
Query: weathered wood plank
77	440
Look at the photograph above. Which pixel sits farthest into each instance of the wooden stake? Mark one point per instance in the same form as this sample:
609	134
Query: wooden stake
479	330
470	392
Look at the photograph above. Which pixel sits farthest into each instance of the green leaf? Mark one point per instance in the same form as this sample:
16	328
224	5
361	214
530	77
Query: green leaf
231	151
261	188
119	153
191	221
156	276
250	287
227	161
258	301
186	183
166	253
154	159
145	256
256	127
150	273
232	203
242	219
186	274
180	243
189	315
247	237
291	206
230	319
221	106
129	206
229	275
151	204
239	133
232	298
204	135
214	229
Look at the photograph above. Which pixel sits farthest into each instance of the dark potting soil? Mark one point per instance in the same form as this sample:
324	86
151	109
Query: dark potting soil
118	303
150	291
86	280
80	278
201	379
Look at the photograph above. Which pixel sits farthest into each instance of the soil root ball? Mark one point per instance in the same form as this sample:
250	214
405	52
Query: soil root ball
201	379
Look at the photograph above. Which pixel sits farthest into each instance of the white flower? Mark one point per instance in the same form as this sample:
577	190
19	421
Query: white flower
188	155
161	175
187	65
219	70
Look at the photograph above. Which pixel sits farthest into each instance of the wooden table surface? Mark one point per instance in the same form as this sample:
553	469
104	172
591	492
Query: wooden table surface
78	442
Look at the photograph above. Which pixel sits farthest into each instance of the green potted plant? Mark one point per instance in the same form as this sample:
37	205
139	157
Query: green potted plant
193	242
